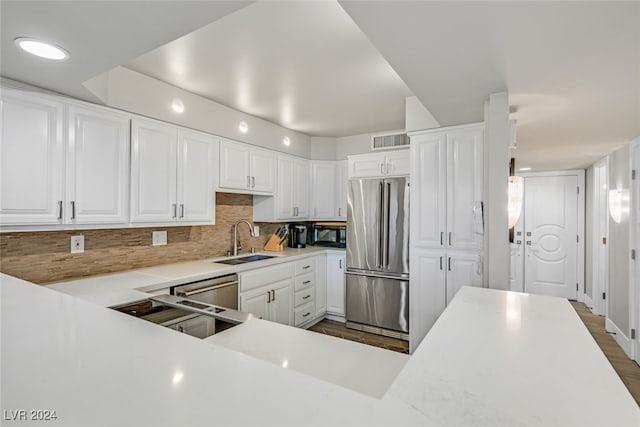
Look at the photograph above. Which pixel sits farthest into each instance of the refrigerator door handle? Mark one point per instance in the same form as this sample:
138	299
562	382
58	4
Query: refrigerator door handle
380	245
378	274
386	214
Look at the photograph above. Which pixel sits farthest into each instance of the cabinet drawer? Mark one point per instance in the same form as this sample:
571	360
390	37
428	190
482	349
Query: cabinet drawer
306	265
303	297
304	313
264	276
304	281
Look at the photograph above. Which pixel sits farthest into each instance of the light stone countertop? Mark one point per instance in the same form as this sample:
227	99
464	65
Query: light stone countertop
494	358
120	288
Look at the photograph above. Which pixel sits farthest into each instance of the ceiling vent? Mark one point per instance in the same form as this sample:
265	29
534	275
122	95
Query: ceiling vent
386	142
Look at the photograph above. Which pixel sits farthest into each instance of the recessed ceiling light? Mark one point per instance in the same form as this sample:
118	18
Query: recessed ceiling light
41	49
243	127
177	105
286	141
524	169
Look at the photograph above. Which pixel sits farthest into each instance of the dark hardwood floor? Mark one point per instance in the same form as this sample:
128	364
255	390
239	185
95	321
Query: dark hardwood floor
627	369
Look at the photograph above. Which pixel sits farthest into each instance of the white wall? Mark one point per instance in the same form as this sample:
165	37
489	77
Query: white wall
140	94
416	115
323	148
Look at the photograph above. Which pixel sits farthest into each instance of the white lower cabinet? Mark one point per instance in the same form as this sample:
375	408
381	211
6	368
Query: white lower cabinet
271	302
200	326
336	284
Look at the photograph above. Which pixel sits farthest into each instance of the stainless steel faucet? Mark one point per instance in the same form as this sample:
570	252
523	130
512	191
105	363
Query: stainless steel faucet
235	235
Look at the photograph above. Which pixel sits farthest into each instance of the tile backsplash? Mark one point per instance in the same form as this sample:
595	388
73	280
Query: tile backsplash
43	256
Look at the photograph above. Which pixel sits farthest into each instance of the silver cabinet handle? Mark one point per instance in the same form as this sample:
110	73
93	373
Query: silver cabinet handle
449	267
306	314
59	209
306	266
73	209
268	297
253	182
441	238
440	263
339	211
306	282
340	264
306	297
449	238
174	209
274	295
181	210
248	181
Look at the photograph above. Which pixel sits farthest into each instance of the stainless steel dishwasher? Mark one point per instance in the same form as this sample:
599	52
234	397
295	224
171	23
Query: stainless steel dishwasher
221	291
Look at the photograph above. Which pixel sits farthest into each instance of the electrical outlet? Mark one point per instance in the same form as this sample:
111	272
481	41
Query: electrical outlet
256	231
159	238
77	244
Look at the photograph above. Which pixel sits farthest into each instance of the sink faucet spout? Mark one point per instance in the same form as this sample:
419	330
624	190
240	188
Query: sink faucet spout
235	234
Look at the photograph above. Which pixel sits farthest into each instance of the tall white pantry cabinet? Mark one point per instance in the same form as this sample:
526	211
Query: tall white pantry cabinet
447	224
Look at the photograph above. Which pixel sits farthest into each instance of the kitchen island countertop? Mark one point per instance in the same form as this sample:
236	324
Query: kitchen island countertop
494	358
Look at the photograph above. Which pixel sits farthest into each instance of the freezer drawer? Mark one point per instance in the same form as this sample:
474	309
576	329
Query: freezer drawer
378	301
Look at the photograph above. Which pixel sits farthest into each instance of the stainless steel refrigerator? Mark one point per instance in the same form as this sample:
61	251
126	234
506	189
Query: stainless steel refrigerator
377	278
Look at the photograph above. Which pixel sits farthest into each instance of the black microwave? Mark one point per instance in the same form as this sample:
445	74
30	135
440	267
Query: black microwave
332	234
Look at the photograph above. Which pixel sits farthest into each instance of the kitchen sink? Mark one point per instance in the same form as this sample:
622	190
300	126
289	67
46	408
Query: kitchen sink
244	259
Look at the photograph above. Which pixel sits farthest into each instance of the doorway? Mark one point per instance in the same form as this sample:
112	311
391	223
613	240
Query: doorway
548	249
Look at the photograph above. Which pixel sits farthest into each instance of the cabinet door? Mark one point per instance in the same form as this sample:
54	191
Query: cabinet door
196	168
427	292
280	308
323	194
321	284
341	190
463	269
428	190
262	167
97	167
366	165
31	160
284	193
301	188
464	188
234	166
255	303
397	163
153	172
335	284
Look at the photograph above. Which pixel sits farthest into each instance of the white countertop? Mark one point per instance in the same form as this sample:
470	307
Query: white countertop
494	358
124	287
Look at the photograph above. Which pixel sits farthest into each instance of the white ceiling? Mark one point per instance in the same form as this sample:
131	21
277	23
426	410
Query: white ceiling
572	69
303	65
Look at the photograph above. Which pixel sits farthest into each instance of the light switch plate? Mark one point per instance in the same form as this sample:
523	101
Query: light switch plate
77	244
159	238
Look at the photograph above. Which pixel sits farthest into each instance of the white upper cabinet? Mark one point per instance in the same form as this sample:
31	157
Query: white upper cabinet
291	199
97	167
32	160
341	190
447	188
323	193
246	169
389	163
196	177
172	176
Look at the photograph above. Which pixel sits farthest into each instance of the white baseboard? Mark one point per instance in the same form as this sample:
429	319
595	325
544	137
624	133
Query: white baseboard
623	341
340	319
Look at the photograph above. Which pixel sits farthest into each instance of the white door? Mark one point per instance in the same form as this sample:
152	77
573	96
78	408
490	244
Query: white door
463	269
262	164
234	166
153	172
464	188
280	309
428	190
601	235
366	165
551	235
426	303
397	163
335	284
284	193
341	190
301	188
323	178
97	167
31	160
196	168
634	242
